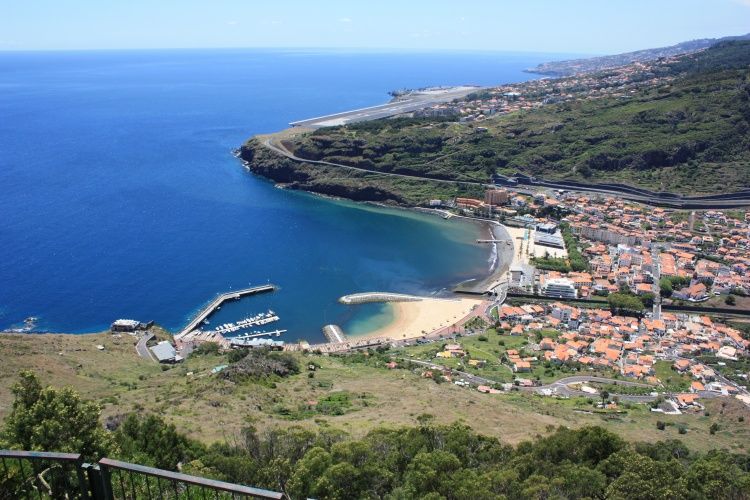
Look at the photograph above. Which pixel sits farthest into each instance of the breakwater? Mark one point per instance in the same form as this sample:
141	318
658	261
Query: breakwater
334	334
372	297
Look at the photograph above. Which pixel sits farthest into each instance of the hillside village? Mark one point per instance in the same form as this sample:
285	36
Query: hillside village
621	82
613	265
688	257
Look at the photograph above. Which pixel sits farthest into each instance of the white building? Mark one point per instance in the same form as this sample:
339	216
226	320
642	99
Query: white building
559	287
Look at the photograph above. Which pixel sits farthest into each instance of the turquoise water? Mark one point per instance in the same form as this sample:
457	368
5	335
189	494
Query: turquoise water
368	318
121	197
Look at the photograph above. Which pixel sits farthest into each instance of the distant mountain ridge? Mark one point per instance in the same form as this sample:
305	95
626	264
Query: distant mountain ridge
576	66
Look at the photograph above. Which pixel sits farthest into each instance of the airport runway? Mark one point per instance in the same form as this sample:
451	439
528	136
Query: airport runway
413	102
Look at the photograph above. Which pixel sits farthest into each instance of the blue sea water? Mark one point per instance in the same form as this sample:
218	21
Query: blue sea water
120	196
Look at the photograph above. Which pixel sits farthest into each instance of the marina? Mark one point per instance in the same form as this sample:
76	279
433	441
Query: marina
215	305
192	335
257	320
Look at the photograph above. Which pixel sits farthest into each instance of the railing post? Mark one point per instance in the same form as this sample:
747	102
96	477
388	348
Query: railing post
104	472
98	482
83	484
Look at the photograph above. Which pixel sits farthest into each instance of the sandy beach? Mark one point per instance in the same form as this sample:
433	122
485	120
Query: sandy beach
418	318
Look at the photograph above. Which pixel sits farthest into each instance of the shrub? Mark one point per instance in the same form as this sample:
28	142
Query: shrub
262	363
206	348
660	425
236	355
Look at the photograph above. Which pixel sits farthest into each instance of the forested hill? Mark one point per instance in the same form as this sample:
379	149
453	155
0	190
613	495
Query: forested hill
687	132
584	65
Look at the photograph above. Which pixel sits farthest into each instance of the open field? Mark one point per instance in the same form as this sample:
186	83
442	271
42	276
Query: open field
210	408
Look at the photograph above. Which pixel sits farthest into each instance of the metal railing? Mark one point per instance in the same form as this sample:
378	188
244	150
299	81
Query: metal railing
43	475
39	474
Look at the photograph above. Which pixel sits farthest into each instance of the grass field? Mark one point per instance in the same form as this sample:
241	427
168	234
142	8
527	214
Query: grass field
671	379
210	408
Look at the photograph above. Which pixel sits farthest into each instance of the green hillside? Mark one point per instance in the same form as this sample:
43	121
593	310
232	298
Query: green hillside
688	136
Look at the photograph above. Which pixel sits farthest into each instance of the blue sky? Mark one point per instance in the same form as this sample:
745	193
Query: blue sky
565	26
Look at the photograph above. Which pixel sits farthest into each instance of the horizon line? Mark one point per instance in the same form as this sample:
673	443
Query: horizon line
301	49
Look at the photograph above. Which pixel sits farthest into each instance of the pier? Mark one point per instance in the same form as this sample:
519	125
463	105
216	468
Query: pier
216	304
334	334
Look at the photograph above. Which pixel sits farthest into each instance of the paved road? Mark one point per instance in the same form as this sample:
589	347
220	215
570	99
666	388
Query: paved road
657	278
283	151
142	349
718	201
648	200
577	379
560	387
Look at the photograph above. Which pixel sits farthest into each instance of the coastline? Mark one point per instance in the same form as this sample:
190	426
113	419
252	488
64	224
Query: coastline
431	315
421	318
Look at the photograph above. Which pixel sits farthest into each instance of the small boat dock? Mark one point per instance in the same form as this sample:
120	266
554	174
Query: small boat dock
258	320
216	304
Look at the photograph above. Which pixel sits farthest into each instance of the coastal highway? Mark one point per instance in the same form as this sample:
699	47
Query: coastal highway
731	200
718	201
412	102
284	152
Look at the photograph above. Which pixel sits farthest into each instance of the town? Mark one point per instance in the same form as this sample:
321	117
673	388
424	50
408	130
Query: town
606	290
621	82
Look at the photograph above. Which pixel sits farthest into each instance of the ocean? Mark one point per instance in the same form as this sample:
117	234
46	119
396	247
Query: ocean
121	198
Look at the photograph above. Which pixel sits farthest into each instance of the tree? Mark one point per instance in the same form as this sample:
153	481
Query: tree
665	287
730	300
338	482
582	482
308	471
648	299
152	441
624	302
716	476
641	477
48	419
428	472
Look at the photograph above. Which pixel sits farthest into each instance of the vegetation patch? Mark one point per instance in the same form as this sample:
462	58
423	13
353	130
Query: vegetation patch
261	365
